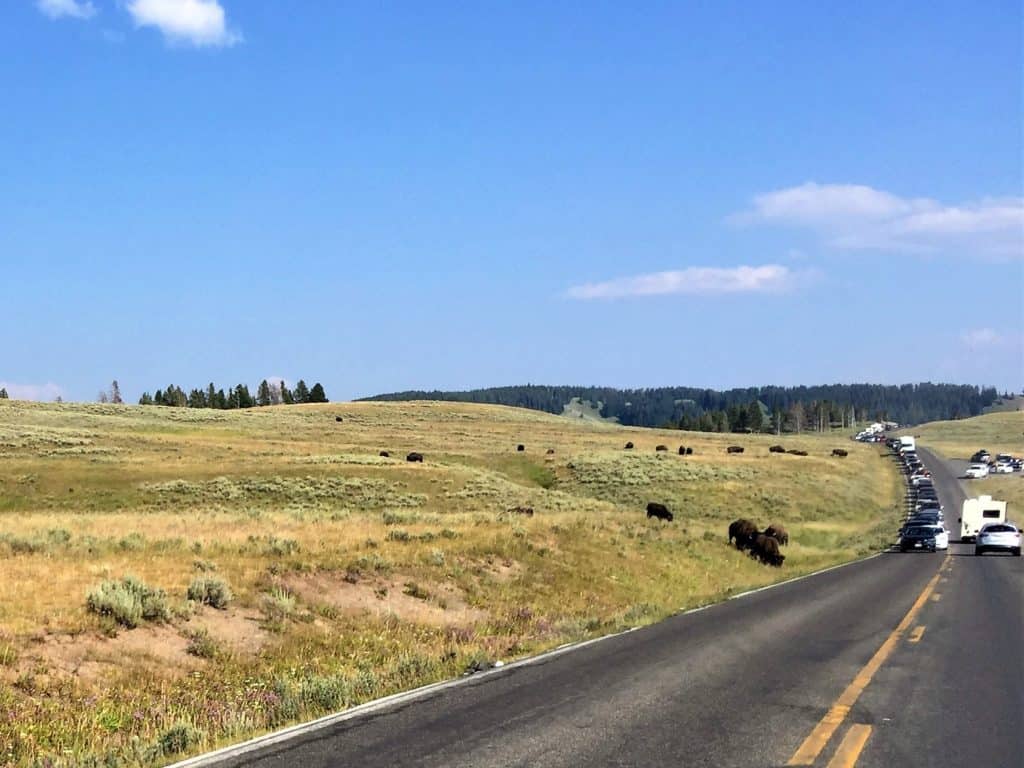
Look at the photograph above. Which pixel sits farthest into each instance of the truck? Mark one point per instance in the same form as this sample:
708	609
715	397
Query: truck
907	444
977	512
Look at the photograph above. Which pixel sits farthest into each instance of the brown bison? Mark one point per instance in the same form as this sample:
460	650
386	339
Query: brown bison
338	418
743	531
385	454
795	452
766	549
734	449
527	511
660	448
840	452
520	447
689	451
778	533
415	457
682	450
629	446
551	451
776	449
660	511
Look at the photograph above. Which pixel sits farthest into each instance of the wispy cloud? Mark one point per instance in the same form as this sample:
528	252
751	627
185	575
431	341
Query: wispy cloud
697	281
75	9
195	22
48	391
852	216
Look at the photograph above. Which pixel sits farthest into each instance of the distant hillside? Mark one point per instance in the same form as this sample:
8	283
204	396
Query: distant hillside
836	404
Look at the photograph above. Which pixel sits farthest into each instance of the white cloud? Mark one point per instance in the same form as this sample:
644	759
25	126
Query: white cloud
978	338
699	281
76	9
48	391
854	216
198	22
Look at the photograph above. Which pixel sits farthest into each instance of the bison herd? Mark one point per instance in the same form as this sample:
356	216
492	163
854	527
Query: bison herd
763	545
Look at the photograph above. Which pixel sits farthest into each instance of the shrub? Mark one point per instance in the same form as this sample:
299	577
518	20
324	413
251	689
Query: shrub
128	602
209	590
202	645
179	738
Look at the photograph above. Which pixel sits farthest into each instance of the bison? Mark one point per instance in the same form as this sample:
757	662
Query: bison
551	451
689	451
520	447
743	531
629	446
682	450
415	457
766	549
734	449
385	454
795	452
527	511
776	449
778	533
840	452
660	448
660	511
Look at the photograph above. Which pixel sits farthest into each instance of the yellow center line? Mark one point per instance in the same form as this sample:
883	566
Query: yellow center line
850	747
822	733
915	636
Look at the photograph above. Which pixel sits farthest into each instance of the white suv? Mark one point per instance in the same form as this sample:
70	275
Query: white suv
998	537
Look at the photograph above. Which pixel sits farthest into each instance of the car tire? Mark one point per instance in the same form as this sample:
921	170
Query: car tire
1016	552
977	552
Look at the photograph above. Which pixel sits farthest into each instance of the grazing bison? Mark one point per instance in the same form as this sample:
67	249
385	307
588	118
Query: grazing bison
776	449
778	533
660	448
528	511
629	446
551	451
682	450
766	549
743	531
415	457
795	452
520	447
689	451
734	449
840	452
385	454
338	418
660	511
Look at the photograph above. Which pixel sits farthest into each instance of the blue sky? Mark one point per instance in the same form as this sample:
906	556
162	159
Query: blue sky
410	195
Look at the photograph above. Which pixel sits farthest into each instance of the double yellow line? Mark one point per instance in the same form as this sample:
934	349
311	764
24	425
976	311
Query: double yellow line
857	736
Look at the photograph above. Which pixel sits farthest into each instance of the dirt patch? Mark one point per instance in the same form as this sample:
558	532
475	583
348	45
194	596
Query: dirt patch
237	631
441	605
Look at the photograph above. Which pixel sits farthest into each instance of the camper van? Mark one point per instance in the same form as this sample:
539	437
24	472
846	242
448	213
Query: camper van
907	443
976	512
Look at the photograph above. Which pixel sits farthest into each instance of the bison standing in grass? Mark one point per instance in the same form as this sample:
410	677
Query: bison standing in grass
660	511
778	533
766	549
743	531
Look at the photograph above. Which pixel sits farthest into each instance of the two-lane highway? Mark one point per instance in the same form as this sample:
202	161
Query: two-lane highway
899	660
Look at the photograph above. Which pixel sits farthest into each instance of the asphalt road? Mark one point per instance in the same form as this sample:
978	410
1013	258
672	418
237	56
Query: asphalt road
834	669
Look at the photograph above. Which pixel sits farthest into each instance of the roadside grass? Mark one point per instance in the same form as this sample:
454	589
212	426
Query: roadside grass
1001	432
353	575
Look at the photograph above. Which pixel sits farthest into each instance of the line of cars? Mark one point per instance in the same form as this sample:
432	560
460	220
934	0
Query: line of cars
924	530
982	464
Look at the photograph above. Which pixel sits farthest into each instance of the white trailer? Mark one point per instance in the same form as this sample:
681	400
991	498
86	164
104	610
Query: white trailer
977	512
907	443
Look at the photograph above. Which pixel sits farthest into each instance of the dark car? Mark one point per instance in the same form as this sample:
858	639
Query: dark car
917	537
981	457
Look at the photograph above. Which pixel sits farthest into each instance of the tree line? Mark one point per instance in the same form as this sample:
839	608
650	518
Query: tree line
239	396
782	409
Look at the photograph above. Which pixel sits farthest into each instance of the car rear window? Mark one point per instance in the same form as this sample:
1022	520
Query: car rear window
991	513
1000	529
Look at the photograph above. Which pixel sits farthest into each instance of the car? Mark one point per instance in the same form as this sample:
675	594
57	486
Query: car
941	535
920	538
921	479
1003	468
981	457
976	471
998	537
924	518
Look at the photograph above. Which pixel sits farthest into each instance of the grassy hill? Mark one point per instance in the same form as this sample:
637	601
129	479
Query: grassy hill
354	575
1001	432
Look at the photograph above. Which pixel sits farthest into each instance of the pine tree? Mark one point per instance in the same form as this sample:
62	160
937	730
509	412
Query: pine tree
146	399
211	396
755	417
263	394
317	394
301	392
115	393
3	393
286	395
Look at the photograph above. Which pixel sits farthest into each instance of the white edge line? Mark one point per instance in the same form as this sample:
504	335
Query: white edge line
286	734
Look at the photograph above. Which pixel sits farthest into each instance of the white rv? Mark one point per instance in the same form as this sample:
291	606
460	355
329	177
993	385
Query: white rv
976	512
907	443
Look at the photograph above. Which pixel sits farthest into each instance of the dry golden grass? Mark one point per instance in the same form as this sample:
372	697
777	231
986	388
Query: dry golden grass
356	575
995	432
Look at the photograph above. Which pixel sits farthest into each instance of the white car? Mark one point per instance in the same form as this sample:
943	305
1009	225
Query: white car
977	471
941	536
1003	468
998	537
